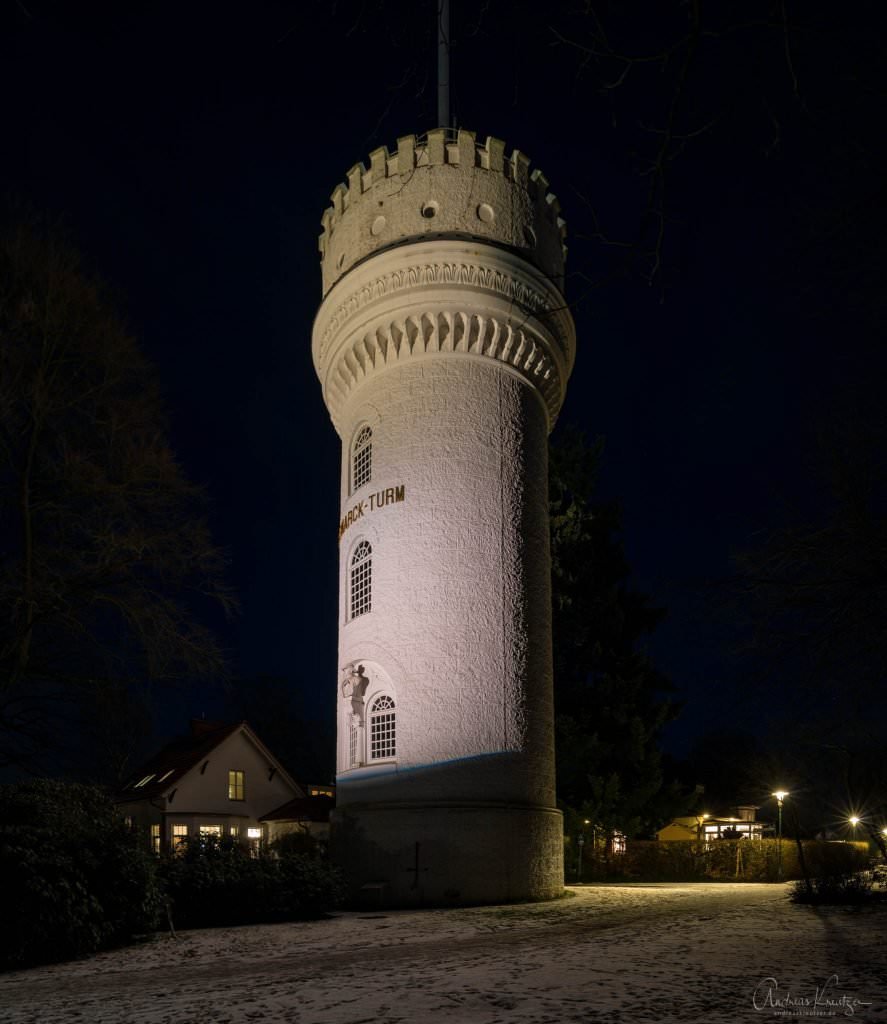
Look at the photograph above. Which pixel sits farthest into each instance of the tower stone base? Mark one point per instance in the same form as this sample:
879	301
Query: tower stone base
448	853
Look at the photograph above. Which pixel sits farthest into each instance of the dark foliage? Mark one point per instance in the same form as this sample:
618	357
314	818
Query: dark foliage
73	878
838	888
103	537
812	596
275	708
216	883
610	701
725	860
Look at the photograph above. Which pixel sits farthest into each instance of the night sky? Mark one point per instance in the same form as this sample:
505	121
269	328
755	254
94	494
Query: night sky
190	150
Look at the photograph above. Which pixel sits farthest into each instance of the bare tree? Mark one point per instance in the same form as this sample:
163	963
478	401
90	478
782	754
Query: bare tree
103	545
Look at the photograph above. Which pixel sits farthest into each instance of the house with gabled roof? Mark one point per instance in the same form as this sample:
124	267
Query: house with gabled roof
705	827
220	780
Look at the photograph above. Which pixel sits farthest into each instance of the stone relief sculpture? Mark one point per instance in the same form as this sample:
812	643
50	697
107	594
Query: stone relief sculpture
354	687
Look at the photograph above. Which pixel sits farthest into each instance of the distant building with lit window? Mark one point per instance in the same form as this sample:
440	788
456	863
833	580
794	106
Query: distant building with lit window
219	780
707	827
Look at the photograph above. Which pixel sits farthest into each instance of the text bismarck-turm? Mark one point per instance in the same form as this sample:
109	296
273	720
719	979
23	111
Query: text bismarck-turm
389	496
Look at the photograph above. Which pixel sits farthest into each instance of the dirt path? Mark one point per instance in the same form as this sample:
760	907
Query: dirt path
632	953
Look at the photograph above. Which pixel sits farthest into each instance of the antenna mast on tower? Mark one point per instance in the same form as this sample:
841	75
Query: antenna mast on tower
443	63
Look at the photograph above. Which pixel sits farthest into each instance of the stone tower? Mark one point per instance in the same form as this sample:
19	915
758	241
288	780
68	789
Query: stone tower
443	345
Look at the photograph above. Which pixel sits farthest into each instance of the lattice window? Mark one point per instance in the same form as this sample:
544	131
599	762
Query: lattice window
236	789
353	740
382	729
362	458
361	579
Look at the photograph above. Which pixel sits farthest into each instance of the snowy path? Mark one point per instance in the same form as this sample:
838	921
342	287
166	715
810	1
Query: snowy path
610	953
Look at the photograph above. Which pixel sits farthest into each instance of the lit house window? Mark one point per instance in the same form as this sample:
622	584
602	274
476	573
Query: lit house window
361	591
179	836
155	838
382	729
362	458
254	841
234	831
235	786
210	830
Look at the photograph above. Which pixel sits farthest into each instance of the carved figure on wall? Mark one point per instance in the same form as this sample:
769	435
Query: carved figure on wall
355	686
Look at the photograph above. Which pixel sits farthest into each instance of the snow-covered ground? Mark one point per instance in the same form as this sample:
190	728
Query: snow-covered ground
626	953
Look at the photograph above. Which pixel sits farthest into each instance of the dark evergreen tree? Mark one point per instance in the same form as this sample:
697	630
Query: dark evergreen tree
610	701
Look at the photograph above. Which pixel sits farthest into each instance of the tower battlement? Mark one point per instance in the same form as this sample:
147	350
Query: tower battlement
442	183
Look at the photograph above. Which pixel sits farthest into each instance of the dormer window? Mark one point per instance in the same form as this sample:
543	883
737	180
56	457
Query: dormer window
236	785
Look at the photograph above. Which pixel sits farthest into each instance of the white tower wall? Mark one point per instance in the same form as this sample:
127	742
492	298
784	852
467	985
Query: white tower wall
453	347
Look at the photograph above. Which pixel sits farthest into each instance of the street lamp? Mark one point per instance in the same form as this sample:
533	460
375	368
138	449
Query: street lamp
780	795
585	823
579	865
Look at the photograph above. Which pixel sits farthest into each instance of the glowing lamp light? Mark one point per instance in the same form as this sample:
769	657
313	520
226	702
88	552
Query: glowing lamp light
780	795
854	821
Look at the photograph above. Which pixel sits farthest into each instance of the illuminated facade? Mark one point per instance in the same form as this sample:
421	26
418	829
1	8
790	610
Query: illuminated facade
219	780
443	346
707	827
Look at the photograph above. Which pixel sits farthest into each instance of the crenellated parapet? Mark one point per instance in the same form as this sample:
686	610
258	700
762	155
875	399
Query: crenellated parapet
442	184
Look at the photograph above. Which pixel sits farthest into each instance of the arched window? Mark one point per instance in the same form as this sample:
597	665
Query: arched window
361	591
362	458
382	728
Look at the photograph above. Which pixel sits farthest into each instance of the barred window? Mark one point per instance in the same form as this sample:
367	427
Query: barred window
382	729
353	740
361	579
362	458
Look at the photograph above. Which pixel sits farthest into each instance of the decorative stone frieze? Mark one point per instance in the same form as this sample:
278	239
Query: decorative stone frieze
443	297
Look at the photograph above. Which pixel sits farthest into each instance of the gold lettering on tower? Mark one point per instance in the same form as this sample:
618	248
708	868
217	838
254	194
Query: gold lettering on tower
389	496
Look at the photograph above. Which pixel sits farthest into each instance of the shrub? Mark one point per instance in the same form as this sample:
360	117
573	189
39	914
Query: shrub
213	884
838	875
836	889
73	879
722	860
